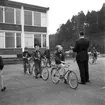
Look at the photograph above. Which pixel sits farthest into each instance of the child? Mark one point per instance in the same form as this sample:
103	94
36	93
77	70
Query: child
26	55
59	58
37	60
1	77
47	55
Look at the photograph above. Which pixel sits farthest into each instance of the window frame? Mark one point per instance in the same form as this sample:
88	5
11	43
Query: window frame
14	40
45	17
5	15
16	16
34	18
24	17
45	40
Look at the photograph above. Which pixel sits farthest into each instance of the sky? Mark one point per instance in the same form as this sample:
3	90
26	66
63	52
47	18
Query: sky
62	10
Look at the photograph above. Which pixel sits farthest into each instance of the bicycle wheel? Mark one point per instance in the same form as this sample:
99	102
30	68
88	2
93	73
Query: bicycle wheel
45	73
33	70
55	76
31	66
72	79
27	68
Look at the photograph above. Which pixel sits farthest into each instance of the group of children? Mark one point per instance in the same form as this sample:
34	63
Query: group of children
38	56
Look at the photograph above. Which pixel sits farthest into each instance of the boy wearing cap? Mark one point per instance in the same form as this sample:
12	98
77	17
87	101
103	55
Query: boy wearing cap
37	60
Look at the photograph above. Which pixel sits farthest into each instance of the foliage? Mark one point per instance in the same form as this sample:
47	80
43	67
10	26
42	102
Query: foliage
93	23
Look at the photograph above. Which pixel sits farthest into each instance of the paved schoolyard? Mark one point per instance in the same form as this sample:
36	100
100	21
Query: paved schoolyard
25	90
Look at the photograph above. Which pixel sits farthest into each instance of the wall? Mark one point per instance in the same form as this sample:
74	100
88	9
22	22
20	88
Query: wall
17	51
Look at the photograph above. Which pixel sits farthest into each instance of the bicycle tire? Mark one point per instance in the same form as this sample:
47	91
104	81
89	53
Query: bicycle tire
31	65
54	72
71	78
33	70
45	73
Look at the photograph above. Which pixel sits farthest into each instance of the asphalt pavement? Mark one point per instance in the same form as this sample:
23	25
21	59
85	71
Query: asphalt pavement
26	90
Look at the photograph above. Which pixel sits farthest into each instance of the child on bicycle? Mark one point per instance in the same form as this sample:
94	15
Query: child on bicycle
94	53
59	59
26	55
37	60
47	55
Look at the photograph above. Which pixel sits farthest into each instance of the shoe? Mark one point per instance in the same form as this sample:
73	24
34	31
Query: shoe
30	73
40	76
88	81
3	89
83	83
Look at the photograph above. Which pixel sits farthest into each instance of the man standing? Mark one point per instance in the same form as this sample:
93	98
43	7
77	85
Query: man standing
81	47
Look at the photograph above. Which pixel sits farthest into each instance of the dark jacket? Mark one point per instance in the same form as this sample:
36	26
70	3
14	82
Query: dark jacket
59	56
26	54
1	63
47	53
37	56
81	47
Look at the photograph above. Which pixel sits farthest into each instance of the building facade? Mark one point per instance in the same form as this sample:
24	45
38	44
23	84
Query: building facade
22	25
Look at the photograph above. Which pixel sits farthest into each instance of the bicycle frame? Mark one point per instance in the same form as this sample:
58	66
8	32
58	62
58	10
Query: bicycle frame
64	74
93	59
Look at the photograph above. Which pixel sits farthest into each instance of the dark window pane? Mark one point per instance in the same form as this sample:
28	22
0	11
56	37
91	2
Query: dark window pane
9	40
37	39
37	19
9	15
18	40
44	40
1	14
28	17
18	16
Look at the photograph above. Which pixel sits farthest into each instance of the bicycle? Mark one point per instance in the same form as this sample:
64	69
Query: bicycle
44	71
27	66
46	62
71	79
92	59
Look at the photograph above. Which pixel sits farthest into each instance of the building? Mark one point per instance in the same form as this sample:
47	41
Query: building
22	25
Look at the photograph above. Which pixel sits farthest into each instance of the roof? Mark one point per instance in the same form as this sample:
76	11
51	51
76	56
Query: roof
26	6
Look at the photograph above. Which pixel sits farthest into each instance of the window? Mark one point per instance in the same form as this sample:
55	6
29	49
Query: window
1	40
43	20
18	40
28	17
29	40
18	16
1	15
9	15
9	40
37	19
44	40
37	39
